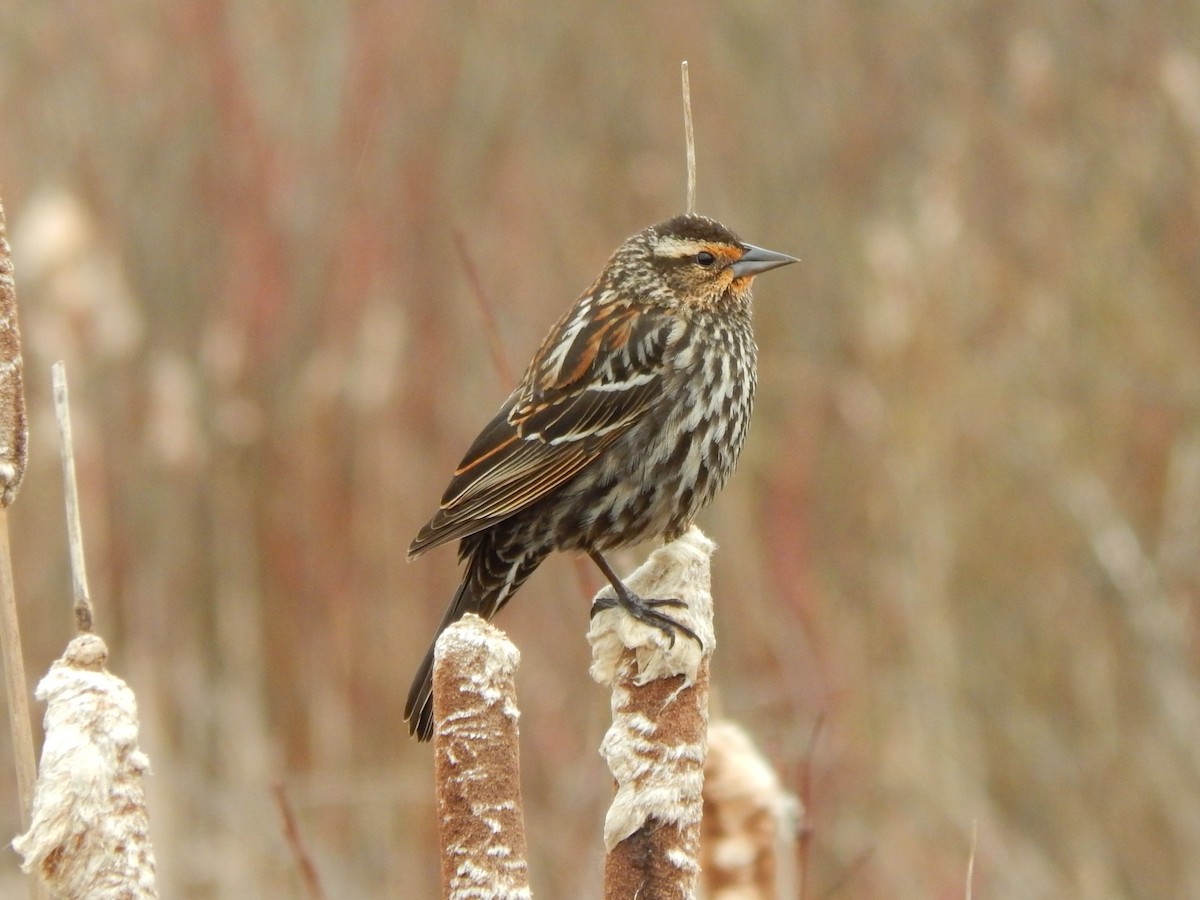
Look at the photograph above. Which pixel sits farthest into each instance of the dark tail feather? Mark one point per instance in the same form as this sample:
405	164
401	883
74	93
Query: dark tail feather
418	711
488	583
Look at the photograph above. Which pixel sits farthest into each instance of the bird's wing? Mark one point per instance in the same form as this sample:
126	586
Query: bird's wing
598	372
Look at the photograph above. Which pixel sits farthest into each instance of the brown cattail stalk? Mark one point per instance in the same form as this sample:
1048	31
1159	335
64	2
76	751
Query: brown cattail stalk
657	743
750	821
14	442
14	435
480	814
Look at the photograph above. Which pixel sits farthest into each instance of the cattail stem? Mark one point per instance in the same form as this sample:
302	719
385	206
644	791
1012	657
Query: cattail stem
657	743
14	446
17	691
14	678
480	814
83	600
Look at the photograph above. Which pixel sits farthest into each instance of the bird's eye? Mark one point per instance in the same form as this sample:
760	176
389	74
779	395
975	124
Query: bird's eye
705	258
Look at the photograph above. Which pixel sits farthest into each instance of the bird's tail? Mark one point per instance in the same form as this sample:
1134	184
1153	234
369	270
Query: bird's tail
418	711
490	580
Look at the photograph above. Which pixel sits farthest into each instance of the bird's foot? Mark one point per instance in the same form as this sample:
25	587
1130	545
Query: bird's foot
646	612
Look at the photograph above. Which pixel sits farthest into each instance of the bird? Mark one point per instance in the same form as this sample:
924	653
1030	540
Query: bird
629	419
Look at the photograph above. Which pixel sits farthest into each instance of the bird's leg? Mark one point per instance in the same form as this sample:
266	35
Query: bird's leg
645	611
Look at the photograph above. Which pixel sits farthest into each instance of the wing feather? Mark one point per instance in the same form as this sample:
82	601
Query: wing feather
573	403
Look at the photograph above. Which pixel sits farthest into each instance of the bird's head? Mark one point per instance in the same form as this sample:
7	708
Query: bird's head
695	261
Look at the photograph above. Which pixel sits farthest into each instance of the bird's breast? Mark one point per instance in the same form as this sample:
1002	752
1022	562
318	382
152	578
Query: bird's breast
674	461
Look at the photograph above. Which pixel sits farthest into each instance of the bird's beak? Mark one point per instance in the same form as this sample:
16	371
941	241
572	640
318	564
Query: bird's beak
757	260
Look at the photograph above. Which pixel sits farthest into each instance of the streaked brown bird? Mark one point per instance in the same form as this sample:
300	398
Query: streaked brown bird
628	421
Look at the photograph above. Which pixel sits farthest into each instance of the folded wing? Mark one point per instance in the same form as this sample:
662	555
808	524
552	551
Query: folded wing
598	373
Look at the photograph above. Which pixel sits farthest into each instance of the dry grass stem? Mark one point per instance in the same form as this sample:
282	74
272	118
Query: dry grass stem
89	836
16	686
83	602
749	819
656	745
1152	614
689	137
501	361
291	832
480	814
970	889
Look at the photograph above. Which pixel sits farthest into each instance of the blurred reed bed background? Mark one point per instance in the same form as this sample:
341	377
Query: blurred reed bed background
959	566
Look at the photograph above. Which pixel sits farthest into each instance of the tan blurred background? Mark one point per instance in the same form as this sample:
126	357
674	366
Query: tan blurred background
960	563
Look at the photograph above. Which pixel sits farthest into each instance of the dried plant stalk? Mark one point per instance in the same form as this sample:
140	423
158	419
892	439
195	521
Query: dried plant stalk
480	814
501	362
14	441
291	833
17	689
84	616
748	819
90	833
688	136
657	743
969	892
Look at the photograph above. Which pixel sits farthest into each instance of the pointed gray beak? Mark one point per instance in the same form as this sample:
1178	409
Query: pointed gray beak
757	260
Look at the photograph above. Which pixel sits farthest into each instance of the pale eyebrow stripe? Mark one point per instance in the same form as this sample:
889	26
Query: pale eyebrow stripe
677	247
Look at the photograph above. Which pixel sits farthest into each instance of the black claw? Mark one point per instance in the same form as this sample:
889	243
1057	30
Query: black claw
642	610
670	602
